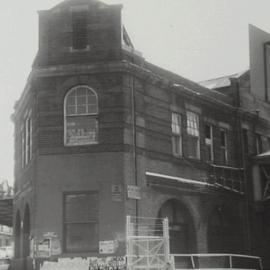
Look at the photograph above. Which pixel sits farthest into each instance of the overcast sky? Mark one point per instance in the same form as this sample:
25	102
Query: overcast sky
198	39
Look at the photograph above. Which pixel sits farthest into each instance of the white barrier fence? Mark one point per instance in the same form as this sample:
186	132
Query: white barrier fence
215	261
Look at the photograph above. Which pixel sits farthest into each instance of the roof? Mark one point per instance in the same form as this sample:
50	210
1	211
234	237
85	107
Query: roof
66	3
221	82
196	88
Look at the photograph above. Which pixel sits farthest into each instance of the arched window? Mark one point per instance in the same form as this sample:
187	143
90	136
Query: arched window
81	111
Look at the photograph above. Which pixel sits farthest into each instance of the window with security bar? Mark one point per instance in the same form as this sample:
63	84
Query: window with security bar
81	222
193	135
176	126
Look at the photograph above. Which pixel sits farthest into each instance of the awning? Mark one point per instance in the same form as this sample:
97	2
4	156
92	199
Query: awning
263	157
174	179
175	182
6	211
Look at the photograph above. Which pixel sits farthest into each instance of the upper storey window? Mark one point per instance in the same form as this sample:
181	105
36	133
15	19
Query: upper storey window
259	146
79	29
208	129
81	110
193	135
176	134
224	146
26	140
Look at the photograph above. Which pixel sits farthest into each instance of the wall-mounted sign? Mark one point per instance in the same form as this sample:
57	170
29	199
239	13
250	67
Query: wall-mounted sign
134	192
116	193
91	263
107	247
44	248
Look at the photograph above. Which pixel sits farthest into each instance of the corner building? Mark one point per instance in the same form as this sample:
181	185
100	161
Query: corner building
101	134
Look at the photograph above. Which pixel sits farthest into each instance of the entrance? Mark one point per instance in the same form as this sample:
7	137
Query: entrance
181	232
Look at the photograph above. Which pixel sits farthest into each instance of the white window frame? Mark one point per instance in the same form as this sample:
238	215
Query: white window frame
94	115
193	130
209	142
176	126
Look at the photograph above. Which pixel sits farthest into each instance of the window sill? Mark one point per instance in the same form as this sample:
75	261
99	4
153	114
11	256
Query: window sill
177	156
87	49
80	145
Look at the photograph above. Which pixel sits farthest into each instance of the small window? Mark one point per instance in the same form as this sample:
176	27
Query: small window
81	110
26	140
79	28
209	153
259	147
176	134
223	147
245	140
80	222
193	135
22	146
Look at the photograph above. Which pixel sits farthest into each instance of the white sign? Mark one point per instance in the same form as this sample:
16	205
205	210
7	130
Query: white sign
134	192
106	247
44	248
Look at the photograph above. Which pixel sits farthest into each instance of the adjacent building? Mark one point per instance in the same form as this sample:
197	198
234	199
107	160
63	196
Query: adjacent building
101	134
250	91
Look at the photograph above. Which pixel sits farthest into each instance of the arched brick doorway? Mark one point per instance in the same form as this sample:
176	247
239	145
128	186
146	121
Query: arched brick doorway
17	234
26	232
181	227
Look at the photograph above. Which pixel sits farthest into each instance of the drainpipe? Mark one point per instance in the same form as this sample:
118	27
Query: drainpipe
134	138
244	165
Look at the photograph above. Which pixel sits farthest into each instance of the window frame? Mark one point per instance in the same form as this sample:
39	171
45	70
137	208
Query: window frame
245	139
191	128
176	135
64	222
259	143
209	142
224	147
77	17
94	115
22	146
26	139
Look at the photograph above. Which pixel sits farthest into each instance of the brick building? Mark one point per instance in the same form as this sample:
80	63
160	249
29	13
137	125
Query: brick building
100	134
250	91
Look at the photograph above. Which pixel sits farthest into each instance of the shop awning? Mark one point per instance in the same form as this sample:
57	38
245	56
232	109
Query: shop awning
6	211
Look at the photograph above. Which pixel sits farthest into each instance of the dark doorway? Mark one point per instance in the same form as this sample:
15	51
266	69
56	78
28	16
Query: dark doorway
26	232
17	235
181	230
224	231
